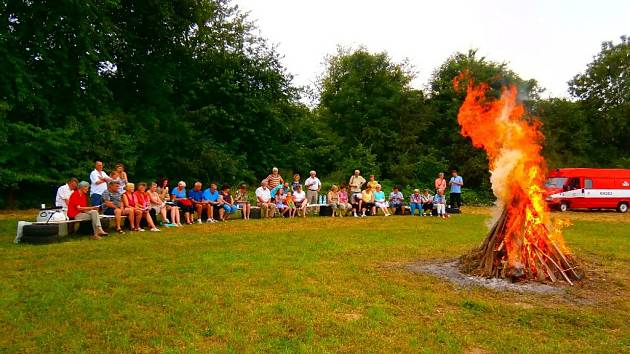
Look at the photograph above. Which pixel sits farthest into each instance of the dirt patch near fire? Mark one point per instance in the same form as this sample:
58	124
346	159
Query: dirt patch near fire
449	269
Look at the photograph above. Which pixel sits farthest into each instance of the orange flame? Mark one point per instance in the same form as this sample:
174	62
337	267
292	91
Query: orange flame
512	142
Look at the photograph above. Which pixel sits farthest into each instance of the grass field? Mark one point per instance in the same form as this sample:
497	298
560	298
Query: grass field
314	285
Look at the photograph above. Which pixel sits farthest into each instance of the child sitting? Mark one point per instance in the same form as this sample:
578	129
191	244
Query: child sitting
288	201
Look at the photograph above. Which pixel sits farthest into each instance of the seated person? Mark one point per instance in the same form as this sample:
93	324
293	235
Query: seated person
178	196
215	205
380	201
263	197
284	187
415	202
196	197
112	205
356	204
344	204
427	203
367	201
396	200
143	203
242	201
333	200
281	205
64	192
161	208
229	207
290	204
299	198
78	209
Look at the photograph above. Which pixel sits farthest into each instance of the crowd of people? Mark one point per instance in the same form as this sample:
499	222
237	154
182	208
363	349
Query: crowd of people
115	196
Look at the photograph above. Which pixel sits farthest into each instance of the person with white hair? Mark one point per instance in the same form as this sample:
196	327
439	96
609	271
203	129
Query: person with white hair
263	196
313	186
78	209
178	195
380	201
274	179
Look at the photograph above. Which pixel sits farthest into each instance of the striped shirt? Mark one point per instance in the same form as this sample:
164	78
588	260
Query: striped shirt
274	180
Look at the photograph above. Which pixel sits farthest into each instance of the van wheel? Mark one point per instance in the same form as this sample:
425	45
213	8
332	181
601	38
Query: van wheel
622	208
564	207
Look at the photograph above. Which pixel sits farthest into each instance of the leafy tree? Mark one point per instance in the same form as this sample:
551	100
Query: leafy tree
367	100
603	90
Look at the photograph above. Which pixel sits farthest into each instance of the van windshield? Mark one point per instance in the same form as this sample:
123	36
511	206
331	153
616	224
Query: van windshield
556	182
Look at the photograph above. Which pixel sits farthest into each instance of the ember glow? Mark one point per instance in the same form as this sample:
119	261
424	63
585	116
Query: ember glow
523	243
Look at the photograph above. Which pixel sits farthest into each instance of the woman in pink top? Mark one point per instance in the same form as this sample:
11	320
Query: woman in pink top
440	183
344	204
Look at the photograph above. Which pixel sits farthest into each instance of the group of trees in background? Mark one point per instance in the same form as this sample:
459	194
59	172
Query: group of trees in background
186	89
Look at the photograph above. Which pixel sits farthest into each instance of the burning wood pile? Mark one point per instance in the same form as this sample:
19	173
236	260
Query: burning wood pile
523	243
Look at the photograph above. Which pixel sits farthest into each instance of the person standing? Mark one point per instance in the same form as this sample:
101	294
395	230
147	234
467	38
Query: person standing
456	182
64	192
356	185
274	179
313	185
440	183
99	180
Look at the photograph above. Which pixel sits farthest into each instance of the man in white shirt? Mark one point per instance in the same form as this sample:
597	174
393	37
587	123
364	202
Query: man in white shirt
263	195
313	185
99	180
64	192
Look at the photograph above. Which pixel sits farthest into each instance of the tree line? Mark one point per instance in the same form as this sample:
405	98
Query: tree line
188	89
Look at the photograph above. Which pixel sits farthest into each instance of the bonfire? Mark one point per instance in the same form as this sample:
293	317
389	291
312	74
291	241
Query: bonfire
523	243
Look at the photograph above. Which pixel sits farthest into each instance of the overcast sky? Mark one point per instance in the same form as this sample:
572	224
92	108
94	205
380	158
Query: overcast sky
550	41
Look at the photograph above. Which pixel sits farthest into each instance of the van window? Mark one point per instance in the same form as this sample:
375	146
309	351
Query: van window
574	183
555	182
588	183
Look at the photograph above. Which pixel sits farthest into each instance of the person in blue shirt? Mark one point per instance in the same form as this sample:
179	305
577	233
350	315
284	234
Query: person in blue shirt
212	197
456	182
196	197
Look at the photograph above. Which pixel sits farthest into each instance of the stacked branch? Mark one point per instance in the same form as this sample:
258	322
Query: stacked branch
540	259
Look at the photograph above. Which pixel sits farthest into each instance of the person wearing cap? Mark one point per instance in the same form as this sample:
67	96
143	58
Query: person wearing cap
78	209
356	185
112	205
64	192
396	200
427	202
313	186
178	195
415	202
274	178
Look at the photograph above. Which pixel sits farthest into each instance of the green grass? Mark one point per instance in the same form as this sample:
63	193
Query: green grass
314	285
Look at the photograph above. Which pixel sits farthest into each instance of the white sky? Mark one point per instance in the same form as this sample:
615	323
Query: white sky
550	41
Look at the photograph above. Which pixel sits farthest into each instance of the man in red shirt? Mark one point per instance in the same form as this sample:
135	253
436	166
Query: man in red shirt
78	209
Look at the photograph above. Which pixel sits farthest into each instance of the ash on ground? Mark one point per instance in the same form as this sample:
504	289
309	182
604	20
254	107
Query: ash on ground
450	270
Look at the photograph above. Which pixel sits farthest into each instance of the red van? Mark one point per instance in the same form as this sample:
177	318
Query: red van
588	188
